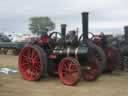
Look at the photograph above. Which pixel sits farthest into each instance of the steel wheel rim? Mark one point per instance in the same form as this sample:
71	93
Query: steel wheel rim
68	71
30	64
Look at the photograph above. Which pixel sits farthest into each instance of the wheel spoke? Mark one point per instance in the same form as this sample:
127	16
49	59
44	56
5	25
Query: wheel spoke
26	66
28	52
37	68
65	65
36	57
65	70
65	73
26	58
73	68
33	54
35	61
31	73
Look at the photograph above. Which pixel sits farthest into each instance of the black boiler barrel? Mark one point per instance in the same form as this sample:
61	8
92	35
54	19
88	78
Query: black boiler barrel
78	52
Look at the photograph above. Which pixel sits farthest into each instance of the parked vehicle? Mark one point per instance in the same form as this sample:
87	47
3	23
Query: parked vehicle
4	38
54	53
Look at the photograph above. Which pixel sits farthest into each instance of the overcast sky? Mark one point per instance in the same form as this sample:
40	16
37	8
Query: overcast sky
105	15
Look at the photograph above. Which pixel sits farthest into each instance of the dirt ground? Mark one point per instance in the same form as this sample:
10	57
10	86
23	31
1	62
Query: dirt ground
115	84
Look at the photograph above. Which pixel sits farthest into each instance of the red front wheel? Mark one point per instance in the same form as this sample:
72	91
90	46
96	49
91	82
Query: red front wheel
69	71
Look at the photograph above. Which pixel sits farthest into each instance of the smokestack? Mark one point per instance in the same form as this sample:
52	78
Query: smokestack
85	26
63	31
126	33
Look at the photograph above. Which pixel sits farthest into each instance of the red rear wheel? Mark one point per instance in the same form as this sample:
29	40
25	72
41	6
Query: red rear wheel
31	63
69	71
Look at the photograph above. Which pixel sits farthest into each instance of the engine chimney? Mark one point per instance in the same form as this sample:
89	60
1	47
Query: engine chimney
85	26
63	31
126	33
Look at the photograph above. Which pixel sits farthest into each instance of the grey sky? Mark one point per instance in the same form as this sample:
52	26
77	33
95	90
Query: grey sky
105	15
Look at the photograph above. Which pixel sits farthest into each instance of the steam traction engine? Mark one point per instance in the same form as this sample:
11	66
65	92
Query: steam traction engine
62	54
122	43
109	55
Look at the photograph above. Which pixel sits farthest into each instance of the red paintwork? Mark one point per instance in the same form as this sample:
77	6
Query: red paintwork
109	51
43	40
92	73
113	58
29	63
52	56
68	71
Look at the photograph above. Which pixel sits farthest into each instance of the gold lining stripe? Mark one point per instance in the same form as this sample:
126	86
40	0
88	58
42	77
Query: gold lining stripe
76	51
68	50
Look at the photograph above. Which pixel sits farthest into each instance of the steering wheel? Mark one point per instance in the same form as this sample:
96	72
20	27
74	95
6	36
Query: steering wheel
91	37
55	36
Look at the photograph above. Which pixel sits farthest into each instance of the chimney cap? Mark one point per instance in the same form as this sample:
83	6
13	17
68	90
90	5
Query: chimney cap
85	12
64	25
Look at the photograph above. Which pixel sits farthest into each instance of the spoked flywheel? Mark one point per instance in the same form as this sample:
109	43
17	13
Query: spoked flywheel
32	62
69	71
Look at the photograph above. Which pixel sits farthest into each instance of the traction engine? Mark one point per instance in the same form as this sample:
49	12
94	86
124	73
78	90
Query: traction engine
109	55
122	43
61	54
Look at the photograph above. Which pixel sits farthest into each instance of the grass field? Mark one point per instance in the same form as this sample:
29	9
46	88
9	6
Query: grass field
115	84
